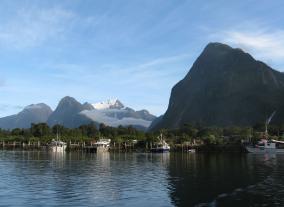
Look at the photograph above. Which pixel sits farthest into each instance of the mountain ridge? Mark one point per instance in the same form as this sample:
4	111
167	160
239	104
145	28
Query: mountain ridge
34	113
225	86
71	113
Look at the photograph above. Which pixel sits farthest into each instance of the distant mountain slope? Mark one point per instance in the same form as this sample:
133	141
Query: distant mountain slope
35	113
71	113
67	113
224	87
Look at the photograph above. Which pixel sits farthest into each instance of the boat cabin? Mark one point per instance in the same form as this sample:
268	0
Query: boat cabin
103	143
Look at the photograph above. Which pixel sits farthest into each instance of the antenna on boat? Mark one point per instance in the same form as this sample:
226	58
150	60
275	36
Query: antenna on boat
267	123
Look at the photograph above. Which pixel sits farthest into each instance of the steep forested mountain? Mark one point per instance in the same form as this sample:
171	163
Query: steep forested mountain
224	87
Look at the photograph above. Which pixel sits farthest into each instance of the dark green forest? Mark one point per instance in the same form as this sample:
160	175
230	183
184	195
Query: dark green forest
189	134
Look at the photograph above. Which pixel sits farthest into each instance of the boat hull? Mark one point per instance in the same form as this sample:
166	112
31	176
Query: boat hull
159	150
96	149
57	148
102	149
258	150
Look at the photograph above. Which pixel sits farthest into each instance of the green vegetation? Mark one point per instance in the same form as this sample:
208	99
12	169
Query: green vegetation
188	135
42	132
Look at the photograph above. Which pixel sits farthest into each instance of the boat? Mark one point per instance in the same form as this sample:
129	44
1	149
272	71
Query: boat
265	145
161	146
103	145
57	145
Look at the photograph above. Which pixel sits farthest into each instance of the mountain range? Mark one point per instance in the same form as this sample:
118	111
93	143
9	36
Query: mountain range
225	87
71	113
34	113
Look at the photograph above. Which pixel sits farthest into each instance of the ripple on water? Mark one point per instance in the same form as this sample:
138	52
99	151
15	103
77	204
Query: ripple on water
76	179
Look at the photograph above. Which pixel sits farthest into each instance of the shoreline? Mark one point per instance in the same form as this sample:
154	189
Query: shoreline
81	147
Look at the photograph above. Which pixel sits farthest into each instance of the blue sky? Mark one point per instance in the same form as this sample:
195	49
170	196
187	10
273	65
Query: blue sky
129	49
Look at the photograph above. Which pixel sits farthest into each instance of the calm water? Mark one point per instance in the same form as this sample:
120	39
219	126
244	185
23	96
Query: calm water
133	179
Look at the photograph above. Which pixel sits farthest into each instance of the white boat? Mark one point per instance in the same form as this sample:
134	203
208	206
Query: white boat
161	146
57	145
102	145
267	146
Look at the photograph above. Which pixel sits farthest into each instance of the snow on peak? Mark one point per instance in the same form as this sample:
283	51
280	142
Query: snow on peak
35	106
109	104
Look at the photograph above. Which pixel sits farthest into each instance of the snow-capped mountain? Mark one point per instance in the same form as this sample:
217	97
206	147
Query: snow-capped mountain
113	113
71	113
109	104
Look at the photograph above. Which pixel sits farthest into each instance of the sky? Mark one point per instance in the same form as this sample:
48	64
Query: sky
133	50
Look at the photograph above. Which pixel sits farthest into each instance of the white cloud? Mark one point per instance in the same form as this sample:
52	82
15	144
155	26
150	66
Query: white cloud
101	116
31	27
162	61
264	43
145	70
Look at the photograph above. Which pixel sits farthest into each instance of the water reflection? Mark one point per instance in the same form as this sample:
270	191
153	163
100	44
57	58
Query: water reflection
225	180
79	179
139	179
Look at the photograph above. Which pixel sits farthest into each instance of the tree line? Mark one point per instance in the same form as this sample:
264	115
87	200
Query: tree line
188	133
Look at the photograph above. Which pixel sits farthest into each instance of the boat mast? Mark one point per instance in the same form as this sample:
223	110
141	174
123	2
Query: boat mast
267	123
56	134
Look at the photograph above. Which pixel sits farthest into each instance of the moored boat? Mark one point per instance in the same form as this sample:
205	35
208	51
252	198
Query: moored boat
102	145
161	146
57	146
267	146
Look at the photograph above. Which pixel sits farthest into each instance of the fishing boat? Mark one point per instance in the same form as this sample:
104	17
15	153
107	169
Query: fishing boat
191	150
161	146
265	145
102	145
57	145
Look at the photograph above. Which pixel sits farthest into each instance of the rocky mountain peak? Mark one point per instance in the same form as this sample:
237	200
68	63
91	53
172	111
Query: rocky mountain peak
225	86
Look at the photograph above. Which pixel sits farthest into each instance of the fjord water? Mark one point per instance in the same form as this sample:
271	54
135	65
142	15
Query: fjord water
140	179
